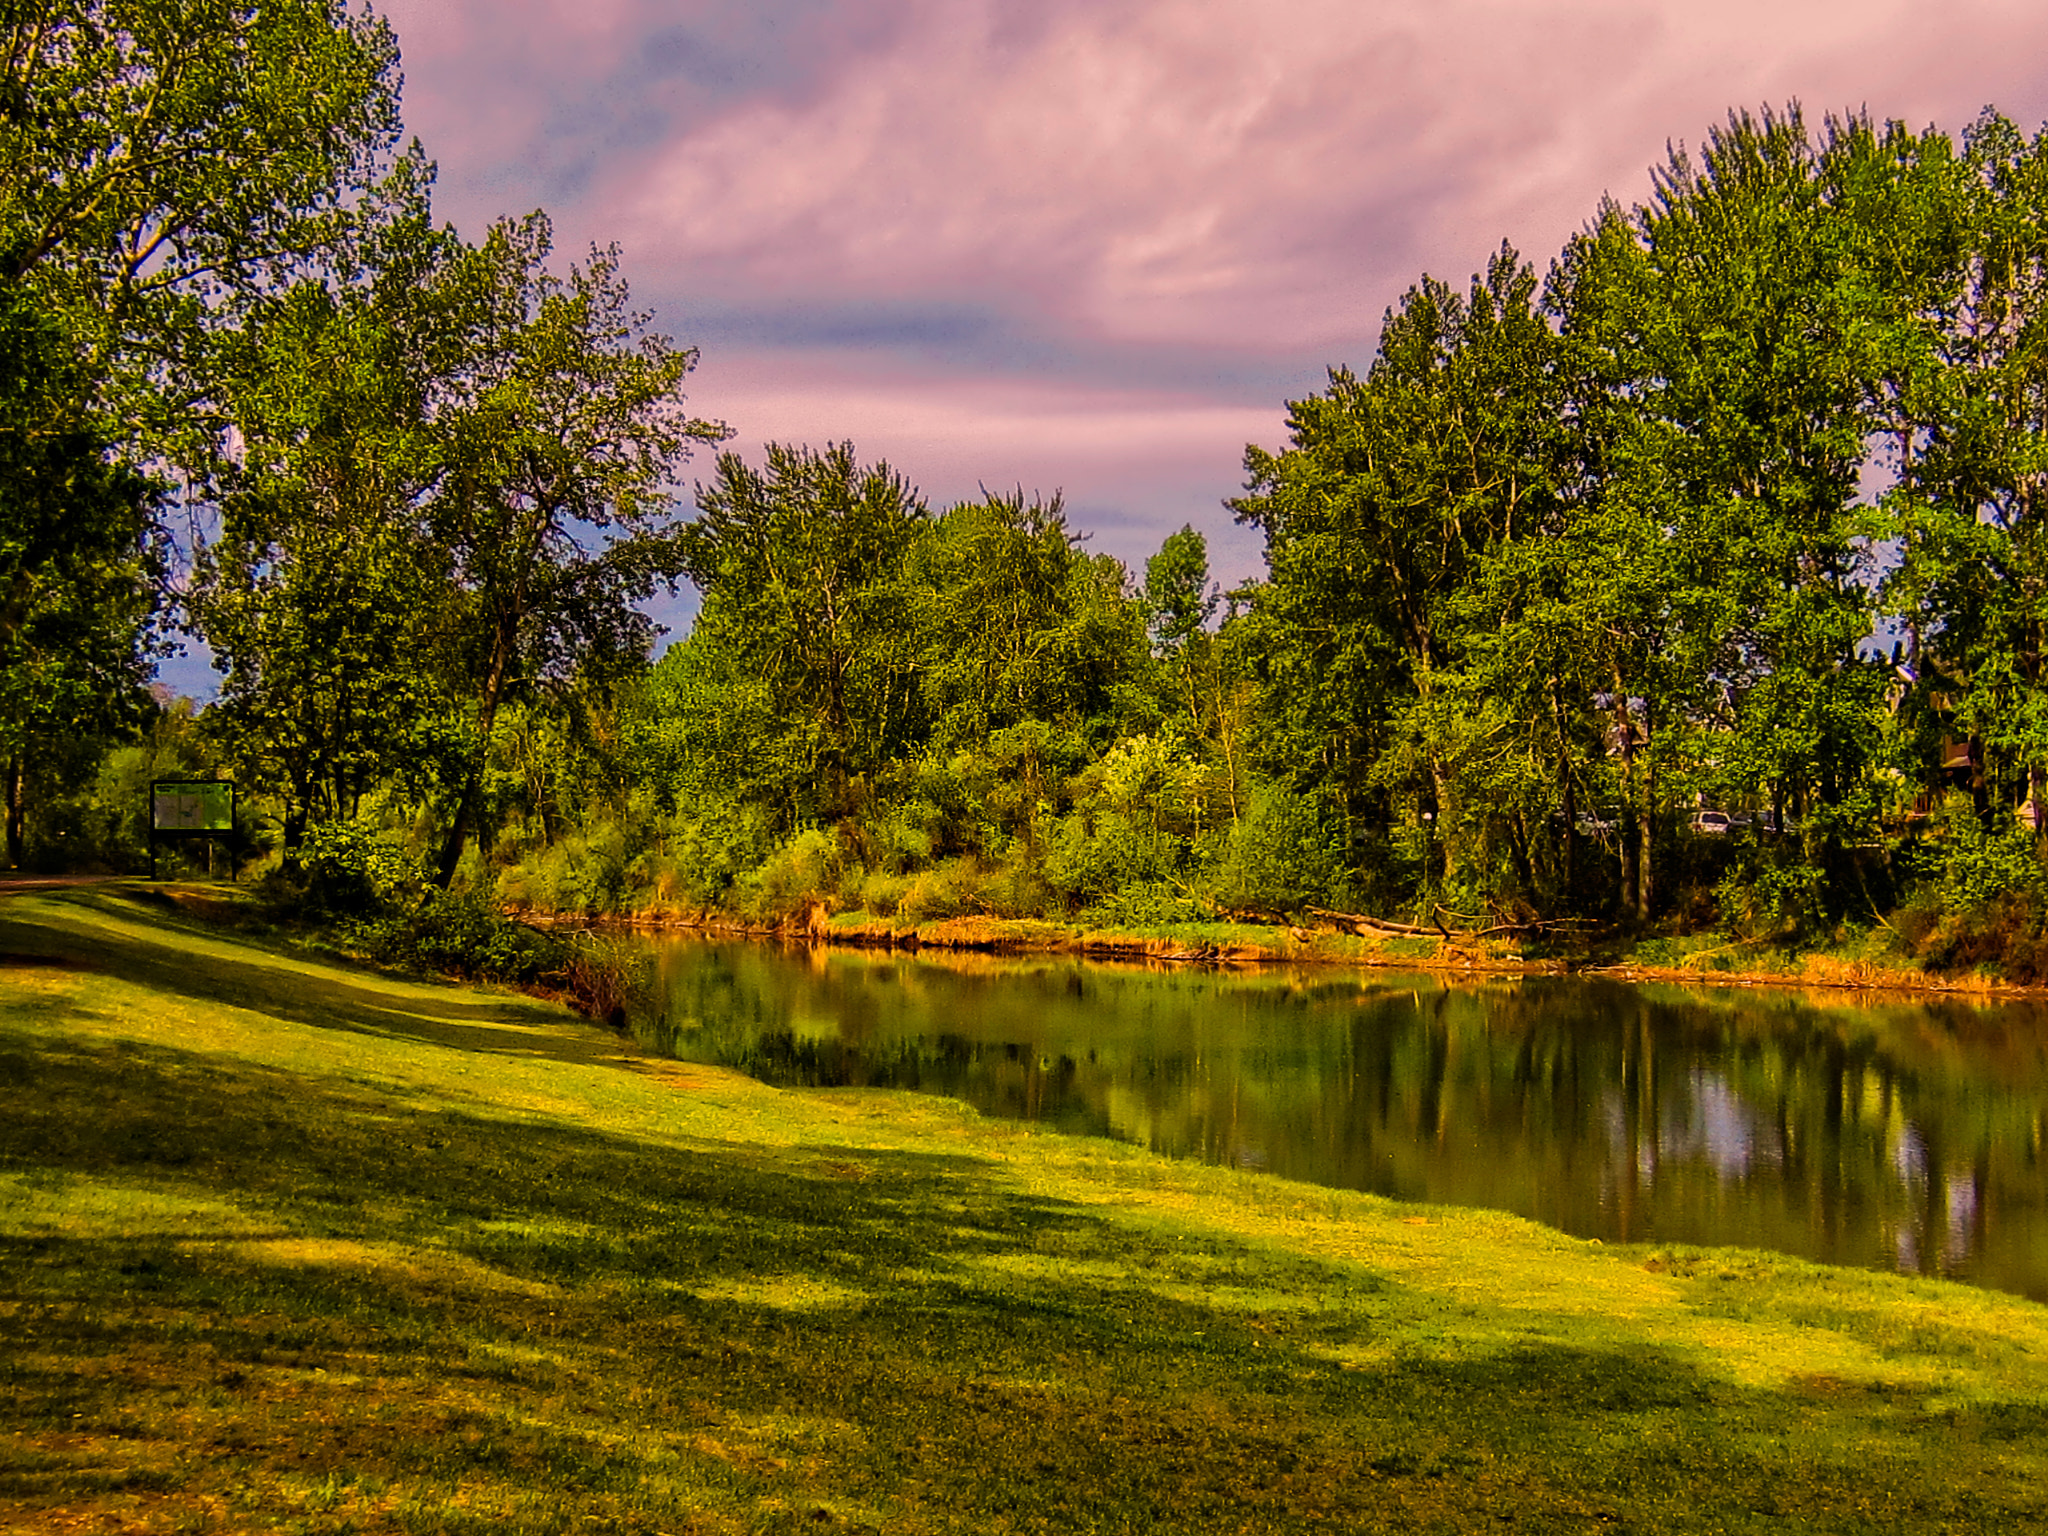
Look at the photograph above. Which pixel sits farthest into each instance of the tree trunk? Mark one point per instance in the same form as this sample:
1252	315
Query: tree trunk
1571	842
458	831
1646	833
1627	840
1440	782
473	781
16	820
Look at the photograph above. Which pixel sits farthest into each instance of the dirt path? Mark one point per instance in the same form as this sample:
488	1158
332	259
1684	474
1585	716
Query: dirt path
14	883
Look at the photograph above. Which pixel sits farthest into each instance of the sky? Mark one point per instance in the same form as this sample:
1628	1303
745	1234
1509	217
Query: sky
1095	246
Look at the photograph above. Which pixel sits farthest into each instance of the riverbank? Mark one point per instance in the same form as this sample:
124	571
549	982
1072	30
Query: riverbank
1709	959
293	1244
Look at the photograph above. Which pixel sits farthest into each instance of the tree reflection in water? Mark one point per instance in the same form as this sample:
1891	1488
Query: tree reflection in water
1883	1132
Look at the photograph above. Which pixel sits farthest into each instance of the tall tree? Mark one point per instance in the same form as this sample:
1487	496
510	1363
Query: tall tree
160	162
807	625
564	428
1971	498
1763	348
1377	514
161	166
79	572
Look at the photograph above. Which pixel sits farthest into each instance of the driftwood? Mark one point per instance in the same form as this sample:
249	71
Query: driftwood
1356	922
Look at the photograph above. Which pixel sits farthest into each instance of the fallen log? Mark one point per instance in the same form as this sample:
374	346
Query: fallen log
1357	920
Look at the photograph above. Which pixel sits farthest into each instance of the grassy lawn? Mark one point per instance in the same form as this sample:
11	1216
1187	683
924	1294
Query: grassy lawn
288	1245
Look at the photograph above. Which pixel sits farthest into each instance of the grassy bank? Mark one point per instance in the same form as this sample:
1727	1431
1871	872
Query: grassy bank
1862	962
289	1245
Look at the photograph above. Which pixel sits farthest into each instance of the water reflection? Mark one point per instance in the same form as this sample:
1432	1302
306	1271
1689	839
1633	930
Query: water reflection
1892	1134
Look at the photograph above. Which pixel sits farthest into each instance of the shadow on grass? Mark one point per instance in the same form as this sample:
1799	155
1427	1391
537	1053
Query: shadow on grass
441	1301
44	934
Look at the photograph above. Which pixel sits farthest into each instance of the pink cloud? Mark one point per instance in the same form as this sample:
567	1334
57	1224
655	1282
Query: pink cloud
1103	448
1160	169
1121	179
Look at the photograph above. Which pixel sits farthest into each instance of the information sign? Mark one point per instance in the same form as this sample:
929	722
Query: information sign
195	806
187	808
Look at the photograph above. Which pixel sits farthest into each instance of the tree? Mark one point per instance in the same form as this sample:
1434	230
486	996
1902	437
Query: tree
1180	601
1376	517
563	423
322	597
160	167
1019	623
1971	499
79	575
807	634
162	162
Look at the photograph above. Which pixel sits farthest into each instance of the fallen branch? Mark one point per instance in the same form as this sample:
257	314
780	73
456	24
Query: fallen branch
1357	920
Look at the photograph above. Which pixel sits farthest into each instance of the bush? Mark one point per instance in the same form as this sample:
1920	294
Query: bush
956	888
350	870
1154	904
456	934
1986	867
802	871
1276	858
2004	936
608	979
882	893
1782	902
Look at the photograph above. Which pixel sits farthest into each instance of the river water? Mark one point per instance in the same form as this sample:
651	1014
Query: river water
1851	1128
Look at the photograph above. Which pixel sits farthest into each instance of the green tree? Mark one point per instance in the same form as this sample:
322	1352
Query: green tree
322	597
563	425
161	166
1018	622
1970	504
79	573
1764	346
1375	519
805	655
1180	602
161	163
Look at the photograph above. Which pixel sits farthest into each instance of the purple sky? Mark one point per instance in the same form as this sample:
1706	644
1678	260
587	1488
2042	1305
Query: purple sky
1095	246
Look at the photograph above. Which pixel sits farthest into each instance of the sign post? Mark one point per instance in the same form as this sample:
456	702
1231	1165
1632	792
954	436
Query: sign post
183	808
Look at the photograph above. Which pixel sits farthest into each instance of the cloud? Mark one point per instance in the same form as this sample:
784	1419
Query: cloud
1248	174
1095	244
1264	175
953	436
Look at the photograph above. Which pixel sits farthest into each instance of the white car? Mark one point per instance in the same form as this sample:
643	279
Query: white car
1710	823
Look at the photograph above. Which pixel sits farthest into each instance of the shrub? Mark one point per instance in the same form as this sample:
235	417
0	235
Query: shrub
608	979
956	888
1780	901
1153	904
455	933
882	893
1984	867
350	870
2004	936
1276	858
802	871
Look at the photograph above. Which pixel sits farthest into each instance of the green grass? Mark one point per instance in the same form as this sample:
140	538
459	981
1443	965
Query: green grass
287	1245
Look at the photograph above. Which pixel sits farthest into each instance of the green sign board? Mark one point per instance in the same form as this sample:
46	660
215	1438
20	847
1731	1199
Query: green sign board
198	806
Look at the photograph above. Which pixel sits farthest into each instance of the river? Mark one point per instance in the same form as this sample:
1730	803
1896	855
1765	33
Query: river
1888	1132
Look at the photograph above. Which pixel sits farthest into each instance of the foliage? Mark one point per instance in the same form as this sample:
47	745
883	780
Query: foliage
1576	566
1987	864
348	869
159	167
453	933
79	570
